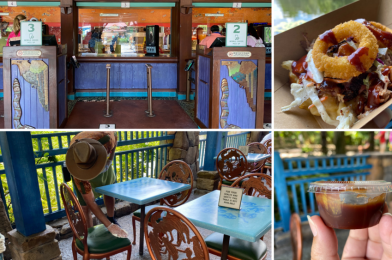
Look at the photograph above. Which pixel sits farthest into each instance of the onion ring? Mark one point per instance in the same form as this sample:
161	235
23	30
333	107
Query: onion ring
341	67
382	28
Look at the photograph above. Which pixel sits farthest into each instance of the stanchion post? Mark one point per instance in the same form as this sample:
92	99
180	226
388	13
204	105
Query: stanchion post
188	86
107	113
149	111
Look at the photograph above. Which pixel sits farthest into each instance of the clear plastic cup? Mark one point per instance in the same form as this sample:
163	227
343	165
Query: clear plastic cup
350	204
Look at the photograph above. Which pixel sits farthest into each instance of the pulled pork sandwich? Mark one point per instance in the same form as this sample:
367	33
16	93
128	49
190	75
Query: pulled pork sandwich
346	73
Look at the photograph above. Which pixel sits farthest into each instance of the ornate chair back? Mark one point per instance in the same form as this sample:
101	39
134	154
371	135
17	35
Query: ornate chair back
165	225
259	149
177	171
231	164
254	185
268	144
75	215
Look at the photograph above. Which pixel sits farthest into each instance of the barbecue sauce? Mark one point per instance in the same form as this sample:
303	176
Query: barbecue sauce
337	214
382	36
354	58
345	50
328	37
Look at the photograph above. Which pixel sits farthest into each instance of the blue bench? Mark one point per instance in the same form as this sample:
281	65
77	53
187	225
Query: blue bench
293	175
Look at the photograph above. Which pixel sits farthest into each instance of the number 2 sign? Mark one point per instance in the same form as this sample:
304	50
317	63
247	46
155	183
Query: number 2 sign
30	33
236	34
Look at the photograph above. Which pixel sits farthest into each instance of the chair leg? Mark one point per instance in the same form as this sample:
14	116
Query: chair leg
74	254
134	230
129	253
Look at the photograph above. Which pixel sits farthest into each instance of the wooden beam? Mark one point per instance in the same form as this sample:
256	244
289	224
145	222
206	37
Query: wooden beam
69	36
185	44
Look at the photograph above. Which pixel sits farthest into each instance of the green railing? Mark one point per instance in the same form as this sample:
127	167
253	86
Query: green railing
138	154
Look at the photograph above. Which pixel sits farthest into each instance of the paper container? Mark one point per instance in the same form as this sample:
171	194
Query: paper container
287	47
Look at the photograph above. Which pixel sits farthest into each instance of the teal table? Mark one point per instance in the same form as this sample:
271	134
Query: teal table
253	157
249	223
142	191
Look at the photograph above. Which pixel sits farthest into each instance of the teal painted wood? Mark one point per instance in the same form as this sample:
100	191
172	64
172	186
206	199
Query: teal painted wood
143	190
22	181
335	168
255	157
118	4
249	223
230	5
32	3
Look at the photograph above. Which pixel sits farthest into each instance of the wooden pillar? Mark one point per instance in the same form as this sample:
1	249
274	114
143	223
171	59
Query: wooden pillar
69	36
185	42
22	179
215	142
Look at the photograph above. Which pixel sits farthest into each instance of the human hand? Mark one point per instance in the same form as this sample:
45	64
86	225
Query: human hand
368	243
117	231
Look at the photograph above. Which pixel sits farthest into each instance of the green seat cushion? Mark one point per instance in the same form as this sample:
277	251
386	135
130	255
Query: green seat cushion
268	164
238	248
100	240
228	183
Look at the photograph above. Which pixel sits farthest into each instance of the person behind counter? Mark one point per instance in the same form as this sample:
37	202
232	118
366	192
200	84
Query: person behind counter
210	39
93	40
14	37
253	38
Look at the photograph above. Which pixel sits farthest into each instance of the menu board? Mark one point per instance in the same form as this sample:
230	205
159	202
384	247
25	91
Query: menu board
30	33
230	197
236	34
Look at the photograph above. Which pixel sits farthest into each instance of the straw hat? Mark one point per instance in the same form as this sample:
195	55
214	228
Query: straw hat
86	159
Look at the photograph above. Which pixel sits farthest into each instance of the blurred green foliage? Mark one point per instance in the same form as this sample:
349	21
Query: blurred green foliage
48	177
291	8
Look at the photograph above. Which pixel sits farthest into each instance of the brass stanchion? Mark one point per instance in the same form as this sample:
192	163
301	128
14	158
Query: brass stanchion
107	113
149	111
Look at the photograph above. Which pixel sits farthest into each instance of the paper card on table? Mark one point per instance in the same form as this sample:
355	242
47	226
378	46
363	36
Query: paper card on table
244	149
230	197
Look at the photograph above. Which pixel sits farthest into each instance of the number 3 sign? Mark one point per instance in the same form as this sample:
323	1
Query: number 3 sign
30	33
236	34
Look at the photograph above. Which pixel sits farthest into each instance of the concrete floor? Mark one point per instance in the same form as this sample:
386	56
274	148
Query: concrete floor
126	223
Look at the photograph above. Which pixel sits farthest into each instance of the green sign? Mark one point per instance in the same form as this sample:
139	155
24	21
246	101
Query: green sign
236	34
30	33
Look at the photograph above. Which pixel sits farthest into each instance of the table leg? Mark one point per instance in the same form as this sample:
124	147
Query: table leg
142	215
225	247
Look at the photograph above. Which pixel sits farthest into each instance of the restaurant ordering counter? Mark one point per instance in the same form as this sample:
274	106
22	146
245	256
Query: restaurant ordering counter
34	81
230	87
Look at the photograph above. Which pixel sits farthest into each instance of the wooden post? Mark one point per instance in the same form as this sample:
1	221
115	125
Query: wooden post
215	142
21	173
69	36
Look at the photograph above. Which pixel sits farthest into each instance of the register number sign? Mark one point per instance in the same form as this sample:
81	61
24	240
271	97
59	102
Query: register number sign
230	197
30	33
236	34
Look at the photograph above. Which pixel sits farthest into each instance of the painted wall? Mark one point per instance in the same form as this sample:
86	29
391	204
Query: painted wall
203	99
252	15
240	113
61	89
48	15
33	114
125	76
130	17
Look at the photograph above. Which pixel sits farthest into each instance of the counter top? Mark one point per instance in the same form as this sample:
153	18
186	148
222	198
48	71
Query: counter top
92	57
